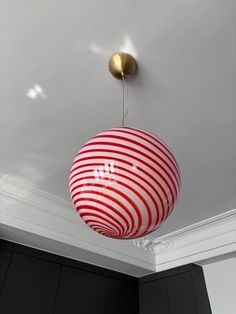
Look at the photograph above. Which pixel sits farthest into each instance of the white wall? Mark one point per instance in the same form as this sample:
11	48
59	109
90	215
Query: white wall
221	285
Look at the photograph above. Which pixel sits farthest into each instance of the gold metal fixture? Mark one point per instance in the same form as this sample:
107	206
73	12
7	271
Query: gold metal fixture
122	65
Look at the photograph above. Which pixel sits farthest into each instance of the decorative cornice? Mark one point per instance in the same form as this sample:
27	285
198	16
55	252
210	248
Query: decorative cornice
155	245
32	196
29	209
220	224
203	240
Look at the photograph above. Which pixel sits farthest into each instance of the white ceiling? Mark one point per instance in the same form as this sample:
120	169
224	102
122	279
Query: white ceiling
56	90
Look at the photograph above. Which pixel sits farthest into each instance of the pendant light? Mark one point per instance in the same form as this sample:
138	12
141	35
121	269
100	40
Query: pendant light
124	182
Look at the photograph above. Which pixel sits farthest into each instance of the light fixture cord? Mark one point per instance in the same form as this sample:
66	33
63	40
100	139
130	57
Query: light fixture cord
124	114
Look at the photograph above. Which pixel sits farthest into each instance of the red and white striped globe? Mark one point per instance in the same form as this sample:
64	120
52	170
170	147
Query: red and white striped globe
124	182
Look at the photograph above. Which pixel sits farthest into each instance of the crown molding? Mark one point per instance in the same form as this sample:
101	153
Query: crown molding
26	208
201	241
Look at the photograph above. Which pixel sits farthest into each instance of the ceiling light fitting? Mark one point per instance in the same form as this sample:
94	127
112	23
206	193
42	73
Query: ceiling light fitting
124	182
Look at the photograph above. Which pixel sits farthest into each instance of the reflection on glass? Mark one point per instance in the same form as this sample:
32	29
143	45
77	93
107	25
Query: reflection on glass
106	171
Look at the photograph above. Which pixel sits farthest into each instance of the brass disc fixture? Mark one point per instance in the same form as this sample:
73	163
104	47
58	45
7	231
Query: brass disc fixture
122	65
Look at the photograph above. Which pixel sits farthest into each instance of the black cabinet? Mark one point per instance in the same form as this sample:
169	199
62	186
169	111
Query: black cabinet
153	297
78	292
42	283
181	290
201	292
84	292
30	286
32	281
181	294
118	296
5	256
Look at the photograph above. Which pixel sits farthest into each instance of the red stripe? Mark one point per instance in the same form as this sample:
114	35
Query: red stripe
98	230
136	183
156	140
117	230
117	192
133	157
108	228
124	130
128	187
112	199
129	140
96	225
103	231
97	201
102	224
127	163
97	209
125	170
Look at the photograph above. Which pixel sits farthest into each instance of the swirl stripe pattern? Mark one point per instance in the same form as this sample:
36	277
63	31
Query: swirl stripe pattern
124	182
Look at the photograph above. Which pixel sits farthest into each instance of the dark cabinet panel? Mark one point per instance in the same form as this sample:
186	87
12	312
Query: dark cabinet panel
153	297
201	292
36	282
78	292
4	262
30	286
181	294
118	297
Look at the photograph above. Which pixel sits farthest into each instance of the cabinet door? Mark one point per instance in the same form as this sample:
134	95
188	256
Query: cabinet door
30	286
201	292
153	297
181	294
4	262
78	292
118	297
